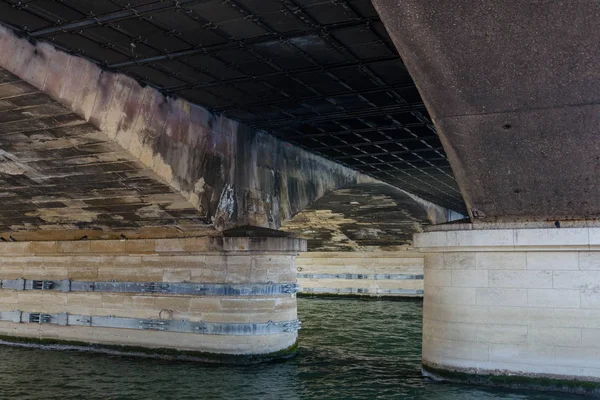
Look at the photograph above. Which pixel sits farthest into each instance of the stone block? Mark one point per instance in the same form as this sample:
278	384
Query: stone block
587	280
247	304
172	303
578	357
590	299
85	299
500	260
594	236
452	295
502	333
469	278
553	336
558	238
140	246
81	246
169	245
461	260
520	279
457	313
575	318
590	338
95	261
43	247
131	261
481	238
177	275
108	246
522	354
501	315
450	330
434	261
14	248
589	260
501	297
560	298
430	239
552	260
438	277
455	349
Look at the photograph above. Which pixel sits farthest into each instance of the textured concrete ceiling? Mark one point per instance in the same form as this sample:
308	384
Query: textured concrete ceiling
365	215
515	93
321	74
60	174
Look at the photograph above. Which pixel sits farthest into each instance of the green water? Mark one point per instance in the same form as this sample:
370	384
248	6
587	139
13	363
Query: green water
349	349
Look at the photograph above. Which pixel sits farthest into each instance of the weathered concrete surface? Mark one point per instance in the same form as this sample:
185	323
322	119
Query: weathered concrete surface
231	175
62	178
365	215
512	87
232	260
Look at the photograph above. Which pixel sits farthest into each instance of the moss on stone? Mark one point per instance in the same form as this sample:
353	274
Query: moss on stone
164	353
544	382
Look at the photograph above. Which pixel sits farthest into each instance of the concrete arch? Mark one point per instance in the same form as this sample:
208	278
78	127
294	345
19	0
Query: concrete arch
369	214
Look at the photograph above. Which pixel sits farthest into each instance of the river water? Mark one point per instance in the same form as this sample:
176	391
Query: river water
349	349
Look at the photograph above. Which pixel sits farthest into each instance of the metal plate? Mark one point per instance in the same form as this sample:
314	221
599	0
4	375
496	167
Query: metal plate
205	328
182	288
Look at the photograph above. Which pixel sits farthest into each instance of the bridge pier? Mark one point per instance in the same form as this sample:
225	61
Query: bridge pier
512	306
215	299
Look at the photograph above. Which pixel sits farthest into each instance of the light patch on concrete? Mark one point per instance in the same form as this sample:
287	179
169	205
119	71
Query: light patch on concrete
63	215
152	211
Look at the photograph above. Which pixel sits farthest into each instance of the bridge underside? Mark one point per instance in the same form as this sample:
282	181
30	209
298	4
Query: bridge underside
187	202
62	178
322	75
512	86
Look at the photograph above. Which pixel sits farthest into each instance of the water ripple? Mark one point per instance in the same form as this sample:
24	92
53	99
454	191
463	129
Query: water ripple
349	349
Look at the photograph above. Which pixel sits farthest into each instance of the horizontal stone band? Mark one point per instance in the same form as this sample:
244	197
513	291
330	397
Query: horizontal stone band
199	289
361	276
206	328
362	291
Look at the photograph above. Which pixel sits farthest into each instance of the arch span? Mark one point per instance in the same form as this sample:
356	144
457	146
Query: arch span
366	215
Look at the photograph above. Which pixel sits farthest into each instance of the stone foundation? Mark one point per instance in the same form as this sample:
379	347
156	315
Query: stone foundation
377	273
513	304
234	262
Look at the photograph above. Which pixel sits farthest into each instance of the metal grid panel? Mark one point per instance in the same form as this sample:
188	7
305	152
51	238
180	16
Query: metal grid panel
321	74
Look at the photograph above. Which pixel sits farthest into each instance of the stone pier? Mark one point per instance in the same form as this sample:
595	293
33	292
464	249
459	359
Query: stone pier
378	273
512	306
225	299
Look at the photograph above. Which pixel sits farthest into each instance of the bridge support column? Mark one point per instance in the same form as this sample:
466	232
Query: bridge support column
226	299
512	306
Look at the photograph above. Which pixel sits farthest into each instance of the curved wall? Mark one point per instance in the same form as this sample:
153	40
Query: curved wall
209	299
512	302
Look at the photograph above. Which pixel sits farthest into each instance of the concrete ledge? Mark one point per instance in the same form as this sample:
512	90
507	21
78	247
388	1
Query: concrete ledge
589	386
541	239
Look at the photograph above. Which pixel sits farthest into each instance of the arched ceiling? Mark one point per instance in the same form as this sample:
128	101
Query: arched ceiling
320	74
364	215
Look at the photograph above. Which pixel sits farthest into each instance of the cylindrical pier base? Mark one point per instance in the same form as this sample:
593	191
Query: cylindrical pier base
226	299
513	306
